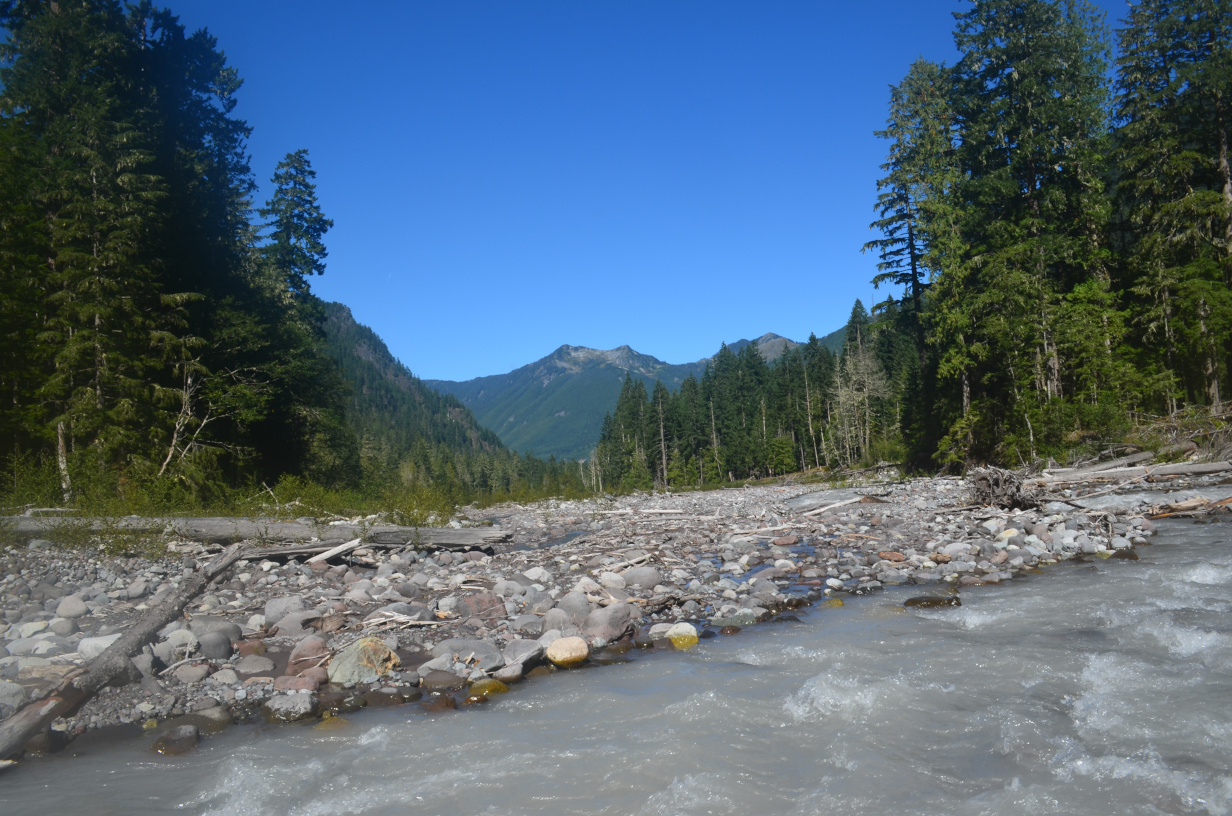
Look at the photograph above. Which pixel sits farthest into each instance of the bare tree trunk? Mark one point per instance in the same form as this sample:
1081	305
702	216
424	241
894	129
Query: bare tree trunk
62	462
1225	170
662	441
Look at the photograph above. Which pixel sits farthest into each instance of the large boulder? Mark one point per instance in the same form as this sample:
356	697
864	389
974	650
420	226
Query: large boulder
92	647
480	653
558	619
610	623
361	661
297	624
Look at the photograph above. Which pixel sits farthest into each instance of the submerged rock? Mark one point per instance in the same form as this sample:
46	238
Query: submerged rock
178	740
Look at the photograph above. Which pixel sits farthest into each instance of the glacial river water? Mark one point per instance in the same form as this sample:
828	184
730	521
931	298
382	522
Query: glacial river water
1097	688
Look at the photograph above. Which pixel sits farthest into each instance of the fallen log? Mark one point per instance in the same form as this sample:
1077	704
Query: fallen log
233	530
115	662
995	487
1150	473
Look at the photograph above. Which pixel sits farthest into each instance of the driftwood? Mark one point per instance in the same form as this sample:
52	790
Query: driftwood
1000	488
233	530
341	549
114	663
1150	473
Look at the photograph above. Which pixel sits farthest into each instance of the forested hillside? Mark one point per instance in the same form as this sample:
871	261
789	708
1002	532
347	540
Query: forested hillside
555	406
1061	226
159	333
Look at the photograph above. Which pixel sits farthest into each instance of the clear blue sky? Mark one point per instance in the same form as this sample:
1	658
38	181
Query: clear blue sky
505	177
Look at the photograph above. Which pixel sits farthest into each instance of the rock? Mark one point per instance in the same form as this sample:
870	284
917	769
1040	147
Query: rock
224	677
508	589
11	695
182	640
744	617
528	624
215	645
644	577
539	575
576	606
587	586
192	673
71	607
477	653
278	608
786	541
612	580
568	652
254	664
558	619
682	635
62	626
511	673
296	624
890	555
307	653
609	623
290	707
201	624
137	589
438	680
524	652
365	658
90	648
178	740
488	687
480	605
288	683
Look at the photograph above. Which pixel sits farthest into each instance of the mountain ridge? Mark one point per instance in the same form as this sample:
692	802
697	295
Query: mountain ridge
555	405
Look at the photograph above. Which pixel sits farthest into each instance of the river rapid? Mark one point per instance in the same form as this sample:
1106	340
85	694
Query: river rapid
1096	688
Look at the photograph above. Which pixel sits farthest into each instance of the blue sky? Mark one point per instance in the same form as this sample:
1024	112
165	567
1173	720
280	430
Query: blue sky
508	177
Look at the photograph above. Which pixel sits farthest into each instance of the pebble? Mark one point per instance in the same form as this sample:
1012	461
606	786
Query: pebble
568	652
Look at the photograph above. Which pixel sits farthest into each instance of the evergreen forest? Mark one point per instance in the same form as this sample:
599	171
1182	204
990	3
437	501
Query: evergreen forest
1054	237
159	338
1056	244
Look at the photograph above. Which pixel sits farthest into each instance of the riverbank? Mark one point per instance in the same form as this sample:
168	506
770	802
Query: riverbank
579	581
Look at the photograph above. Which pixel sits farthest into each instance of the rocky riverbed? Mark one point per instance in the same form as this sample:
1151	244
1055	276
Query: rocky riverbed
580	582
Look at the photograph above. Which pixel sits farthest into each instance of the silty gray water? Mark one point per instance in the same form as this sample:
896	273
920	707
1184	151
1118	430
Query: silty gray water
1100	687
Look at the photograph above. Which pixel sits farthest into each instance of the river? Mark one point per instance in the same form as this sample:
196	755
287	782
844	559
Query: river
1096	688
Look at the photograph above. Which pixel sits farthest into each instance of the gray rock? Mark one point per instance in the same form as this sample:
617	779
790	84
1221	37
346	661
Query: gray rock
485	654
539	575
201	624
511	673
278	608
745	617
254	664
525	652
62	627
508	589
290	707
558	619
178	740
295	624
90	648
137	589
645	577
192	673
215	645
528	624
362	660
610	623
72	607
576	606
11	694
224	677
